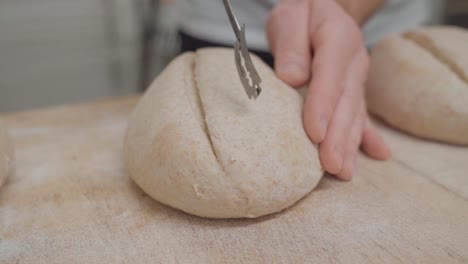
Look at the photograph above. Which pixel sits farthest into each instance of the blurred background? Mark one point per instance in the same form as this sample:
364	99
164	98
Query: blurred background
63	51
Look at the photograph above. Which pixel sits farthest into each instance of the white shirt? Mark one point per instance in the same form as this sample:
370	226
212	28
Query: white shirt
207	19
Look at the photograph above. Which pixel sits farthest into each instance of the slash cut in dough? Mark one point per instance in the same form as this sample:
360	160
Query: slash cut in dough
418	82
196	142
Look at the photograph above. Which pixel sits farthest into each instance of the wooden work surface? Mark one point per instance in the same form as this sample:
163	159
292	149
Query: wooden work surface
71	201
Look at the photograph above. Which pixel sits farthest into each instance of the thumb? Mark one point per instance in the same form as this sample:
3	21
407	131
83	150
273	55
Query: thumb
287	32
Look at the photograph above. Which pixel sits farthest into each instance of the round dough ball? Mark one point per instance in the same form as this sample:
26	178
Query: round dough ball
197	143
6	155
418	82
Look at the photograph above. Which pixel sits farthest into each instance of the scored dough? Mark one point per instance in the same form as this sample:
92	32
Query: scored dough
197	143
6	154
418	82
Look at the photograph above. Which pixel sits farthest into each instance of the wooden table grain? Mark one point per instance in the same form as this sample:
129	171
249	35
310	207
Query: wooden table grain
70	200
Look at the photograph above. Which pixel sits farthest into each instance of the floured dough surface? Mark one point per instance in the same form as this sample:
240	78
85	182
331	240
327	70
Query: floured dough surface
197	143
6	154
418	82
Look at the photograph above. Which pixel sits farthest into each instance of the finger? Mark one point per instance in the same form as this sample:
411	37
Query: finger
373	144
287	32
336	39
352	147
332	152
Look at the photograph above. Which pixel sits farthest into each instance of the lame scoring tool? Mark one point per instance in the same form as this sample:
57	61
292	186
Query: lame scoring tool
245	67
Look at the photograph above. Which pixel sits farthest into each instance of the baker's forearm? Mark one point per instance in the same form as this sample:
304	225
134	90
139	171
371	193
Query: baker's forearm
361	10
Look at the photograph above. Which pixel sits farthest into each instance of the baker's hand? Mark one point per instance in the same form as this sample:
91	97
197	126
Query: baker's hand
317	42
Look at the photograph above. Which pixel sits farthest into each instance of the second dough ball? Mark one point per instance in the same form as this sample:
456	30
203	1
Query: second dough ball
418	82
